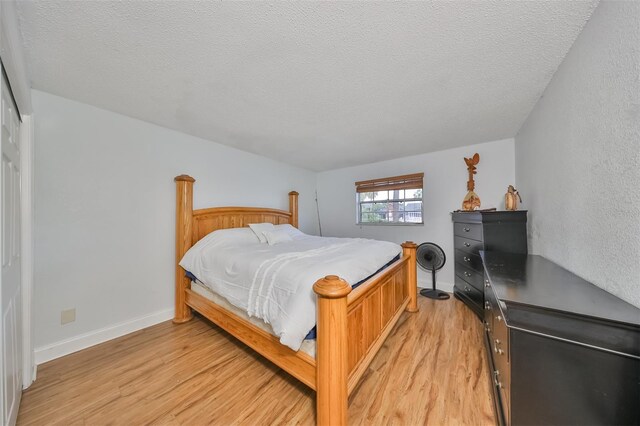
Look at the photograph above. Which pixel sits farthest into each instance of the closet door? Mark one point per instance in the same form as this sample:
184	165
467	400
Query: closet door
10	284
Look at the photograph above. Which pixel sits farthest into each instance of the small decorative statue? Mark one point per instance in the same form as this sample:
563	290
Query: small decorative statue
471	200
511	199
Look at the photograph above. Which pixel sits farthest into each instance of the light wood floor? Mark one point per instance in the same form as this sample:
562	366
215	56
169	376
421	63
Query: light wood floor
432	370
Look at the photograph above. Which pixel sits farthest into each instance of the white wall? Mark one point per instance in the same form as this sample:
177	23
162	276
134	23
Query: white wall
445	178
578	156
105	214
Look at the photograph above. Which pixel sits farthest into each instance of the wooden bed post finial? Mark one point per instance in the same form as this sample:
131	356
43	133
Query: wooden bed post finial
409	250
332	374
293	208
184	234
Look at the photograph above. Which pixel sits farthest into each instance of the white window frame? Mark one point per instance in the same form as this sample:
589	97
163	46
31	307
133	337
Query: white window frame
359	204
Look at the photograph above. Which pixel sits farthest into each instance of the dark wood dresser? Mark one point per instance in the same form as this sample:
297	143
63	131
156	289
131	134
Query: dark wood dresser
562	351
504	231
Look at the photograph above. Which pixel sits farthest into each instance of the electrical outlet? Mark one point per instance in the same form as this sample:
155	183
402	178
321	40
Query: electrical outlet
67	316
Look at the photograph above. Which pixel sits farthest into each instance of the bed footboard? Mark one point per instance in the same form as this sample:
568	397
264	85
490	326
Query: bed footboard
353	325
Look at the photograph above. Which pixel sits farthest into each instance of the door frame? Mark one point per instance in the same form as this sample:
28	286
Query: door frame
27	248
15	66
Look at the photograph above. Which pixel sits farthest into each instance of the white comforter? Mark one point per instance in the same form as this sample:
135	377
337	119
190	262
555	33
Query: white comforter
274	283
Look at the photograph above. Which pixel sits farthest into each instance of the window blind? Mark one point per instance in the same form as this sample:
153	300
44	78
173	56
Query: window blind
413	181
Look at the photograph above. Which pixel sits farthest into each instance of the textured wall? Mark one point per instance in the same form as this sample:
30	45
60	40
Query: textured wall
105	210
445	185
578	156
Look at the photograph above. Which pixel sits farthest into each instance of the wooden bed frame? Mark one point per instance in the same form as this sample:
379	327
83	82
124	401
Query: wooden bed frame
352	324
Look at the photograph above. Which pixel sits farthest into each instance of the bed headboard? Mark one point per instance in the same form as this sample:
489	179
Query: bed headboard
192	225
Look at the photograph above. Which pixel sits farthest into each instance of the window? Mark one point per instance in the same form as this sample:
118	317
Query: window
393	200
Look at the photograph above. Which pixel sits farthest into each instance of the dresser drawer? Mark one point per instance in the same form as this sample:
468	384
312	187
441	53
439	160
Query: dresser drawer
471	276
499	348
467	244
468	230
490	306
501	382
500	335
500	351
470	292
469	260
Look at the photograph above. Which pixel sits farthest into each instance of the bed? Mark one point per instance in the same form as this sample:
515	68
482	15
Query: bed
352	324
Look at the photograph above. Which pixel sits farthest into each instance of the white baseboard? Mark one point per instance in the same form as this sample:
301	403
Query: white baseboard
83	341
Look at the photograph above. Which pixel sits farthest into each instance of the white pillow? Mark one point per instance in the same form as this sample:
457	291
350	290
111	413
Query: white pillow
291	230
231	236
221	237
259	228
277	236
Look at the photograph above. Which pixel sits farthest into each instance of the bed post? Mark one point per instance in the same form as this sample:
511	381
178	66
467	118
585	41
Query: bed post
331	351
409	250
184	230
293	208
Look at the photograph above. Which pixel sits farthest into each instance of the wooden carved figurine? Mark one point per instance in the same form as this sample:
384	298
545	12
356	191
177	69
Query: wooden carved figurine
511	199
471	200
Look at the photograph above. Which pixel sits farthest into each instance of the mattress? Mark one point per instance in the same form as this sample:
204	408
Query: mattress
308	346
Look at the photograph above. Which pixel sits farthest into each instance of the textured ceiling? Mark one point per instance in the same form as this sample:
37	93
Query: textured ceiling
321	85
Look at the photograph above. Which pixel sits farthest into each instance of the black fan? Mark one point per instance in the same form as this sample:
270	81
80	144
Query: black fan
432	258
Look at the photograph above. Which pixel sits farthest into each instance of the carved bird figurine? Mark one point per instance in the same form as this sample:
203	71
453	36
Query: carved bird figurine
511	199
471	200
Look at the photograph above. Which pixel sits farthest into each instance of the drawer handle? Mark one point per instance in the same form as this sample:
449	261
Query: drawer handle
496	380
467	289
467	274
487	306
466	229
467	245
466	259
499	318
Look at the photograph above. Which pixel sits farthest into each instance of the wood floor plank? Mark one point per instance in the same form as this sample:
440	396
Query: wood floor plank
431	370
